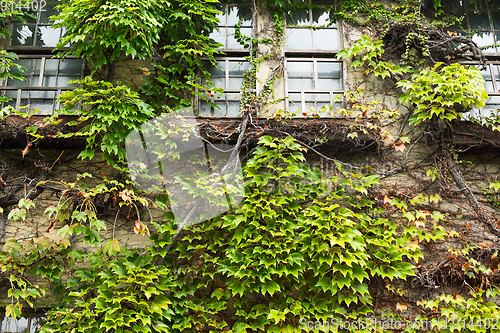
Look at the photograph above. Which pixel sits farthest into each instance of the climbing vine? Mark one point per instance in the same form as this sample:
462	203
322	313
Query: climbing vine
304	246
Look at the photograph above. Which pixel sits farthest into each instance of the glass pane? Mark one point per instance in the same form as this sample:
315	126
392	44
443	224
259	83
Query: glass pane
41	104
219	82
222	18
50	66
34	81
26	63
300	69
49	11
48	37
325	39
320	16
205	109
328	69
50	81
495	17
329	84
17	82
219	37
483	39
488	85
298	17
323	98
232	43
238	67
11	94
70	67
214	70
221	111
235	14
298	39
300	84
233	109
233	96
475	4
479	21
42	94
62	81
22	36
235	83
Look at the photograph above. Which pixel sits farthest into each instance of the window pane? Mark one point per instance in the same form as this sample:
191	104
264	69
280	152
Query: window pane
71	67
219	82
50	66
205	109
329	84
323	98
300	69
325	39
495	17
48	36
320	16
475	4
219	37
484	39
298	39
300	84
238	68
237	13
328	69
221	111
22	36
235	83
232	43
479	21
42	94
41	106
219	70
298	17
49	11
233	109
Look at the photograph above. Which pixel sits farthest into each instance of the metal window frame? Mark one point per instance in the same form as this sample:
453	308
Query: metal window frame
226	27
227	90
337	27
35	37
302	92
58	89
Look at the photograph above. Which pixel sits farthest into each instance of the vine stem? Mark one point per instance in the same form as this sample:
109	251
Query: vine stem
235	151
481	214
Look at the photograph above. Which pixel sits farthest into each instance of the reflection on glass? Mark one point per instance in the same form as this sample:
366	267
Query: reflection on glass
69	67
495	18
235	14
300	69
219	82
299	17
48	37
219	36
23	36
42	94
238	67
328	69
50	66
479	21
325	39
320	16
475	4
205	109
329	84
483	38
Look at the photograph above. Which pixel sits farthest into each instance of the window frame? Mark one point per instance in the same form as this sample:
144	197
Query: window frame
313	55
37	52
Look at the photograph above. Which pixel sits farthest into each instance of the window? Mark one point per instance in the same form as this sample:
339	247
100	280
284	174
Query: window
37	32
481	17
313	76
312	83
228	74
45	78
31	323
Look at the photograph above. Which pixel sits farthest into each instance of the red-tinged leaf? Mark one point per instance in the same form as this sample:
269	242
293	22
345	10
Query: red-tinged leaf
399	146
25	151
